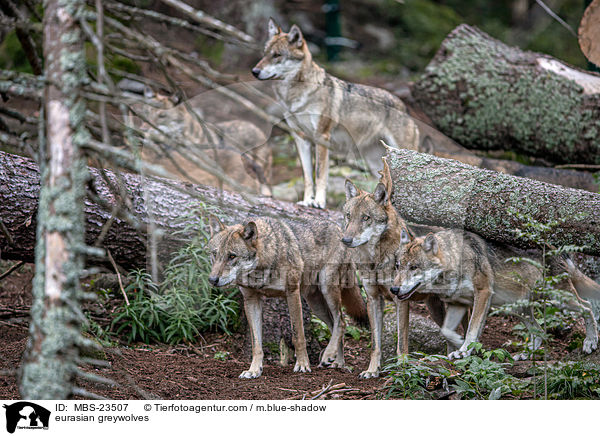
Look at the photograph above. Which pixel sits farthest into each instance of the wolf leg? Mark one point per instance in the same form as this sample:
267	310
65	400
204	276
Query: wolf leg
375	309
322	176
481	306
402	319
253	309
590	343
454	315
304	148
334	353
295	309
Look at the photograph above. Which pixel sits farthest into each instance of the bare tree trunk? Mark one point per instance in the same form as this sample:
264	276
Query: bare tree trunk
50	361
442	192
487	95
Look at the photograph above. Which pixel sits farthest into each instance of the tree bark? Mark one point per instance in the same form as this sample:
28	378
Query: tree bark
166	202
487	95
441	192
440	145
50	360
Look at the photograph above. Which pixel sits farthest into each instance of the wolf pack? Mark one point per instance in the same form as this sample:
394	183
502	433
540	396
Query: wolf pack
376	253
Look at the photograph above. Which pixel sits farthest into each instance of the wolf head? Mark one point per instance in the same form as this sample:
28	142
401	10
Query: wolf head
233	253
367	215
419	263
284	54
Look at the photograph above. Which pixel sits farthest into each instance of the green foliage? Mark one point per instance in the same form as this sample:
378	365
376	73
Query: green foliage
571	380
410	375
319	329
480	376
12	56
181	307
484	377
221	355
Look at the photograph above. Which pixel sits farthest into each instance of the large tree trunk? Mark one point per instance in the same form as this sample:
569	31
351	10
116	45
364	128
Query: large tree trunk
166	202
442	192
487	95
440	145
50	360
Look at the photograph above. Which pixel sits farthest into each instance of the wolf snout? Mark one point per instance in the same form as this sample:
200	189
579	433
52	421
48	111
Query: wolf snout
255	72
213	280
395	290
347	241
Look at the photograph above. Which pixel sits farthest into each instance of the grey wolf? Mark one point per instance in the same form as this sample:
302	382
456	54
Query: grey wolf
478	274
329	112
267	257
373	229
235	149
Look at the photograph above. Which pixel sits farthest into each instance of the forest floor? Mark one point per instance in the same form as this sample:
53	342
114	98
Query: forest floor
197	371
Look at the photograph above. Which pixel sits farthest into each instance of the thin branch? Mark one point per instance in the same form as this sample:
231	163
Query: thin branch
11	269
114	264
556	17
207	20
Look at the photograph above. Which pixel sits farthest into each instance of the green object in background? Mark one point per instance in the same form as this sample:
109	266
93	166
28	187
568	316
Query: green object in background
333	28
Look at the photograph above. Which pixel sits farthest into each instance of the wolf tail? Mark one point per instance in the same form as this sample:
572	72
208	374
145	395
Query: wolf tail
355	305
586	287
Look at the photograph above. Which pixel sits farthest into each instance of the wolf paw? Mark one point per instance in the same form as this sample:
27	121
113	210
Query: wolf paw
590	345
369	374
459	354
311	203
251	374
299	367
520	356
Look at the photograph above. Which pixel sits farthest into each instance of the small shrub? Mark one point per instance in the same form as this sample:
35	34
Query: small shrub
571	380
184	304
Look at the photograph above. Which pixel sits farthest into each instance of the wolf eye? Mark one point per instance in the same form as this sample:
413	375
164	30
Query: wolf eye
412	267
347	216
276	55
231	256
366	218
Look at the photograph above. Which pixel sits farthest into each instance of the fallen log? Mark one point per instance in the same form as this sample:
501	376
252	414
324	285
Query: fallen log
487	95
440	145
166	204
440	192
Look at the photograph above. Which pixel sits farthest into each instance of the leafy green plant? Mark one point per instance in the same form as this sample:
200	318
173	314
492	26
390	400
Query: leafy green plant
482	375
571	380
221	355
409	376
183	305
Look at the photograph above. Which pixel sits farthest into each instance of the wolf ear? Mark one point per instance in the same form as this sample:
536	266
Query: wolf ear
215	225
351	189
273	28
250	233
295	36
431	244
404	237
386	177
381	194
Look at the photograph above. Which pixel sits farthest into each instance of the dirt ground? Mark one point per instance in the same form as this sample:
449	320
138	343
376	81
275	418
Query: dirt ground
192	372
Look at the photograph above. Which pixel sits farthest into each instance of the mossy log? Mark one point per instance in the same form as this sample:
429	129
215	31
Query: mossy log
487	95
168	204
441	192
440	145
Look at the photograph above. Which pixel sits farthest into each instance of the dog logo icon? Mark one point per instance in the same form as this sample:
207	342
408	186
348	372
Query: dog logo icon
26	415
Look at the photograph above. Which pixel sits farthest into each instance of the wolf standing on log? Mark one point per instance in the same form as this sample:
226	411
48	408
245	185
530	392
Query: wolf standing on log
330	113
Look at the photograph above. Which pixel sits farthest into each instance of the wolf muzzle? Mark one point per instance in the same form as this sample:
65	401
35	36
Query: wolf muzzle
213	280
404	295
255	72
347	241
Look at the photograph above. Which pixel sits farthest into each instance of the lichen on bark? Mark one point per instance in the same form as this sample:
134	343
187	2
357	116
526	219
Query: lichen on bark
487	95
